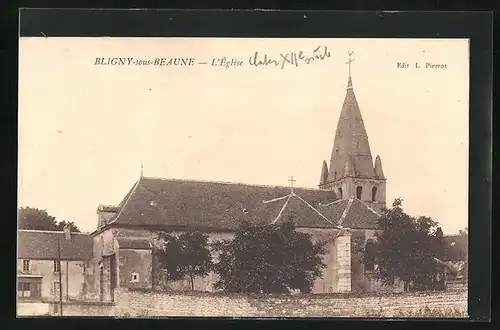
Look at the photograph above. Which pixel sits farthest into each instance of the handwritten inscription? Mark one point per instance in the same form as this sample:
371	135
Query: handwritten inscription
287	59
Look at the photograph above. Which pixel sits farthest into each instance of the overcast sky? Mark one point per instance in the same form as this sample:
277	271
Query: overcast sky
84	129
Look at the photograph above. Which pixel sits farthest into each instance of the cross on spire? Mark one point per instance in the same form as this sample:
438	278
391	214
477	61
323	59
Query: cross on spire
291	180
350	52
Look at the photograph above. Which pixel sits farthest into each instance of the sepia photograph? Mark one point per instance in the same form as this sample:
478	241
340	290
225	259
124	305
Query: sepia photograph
243	177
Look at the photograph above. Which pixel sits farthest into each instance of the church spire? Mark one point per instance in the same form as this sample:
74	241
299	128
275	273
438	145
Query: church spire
352	172
379	173
351	139
348	170
324	174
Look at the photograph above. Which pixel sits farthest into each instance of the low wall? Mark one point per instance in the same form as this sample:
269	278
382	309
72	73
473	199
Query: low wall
70	308
138	304
79	308
134	303
32	308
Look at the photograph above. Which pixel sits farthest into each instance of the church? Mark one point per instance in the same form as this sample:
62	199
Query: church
342	212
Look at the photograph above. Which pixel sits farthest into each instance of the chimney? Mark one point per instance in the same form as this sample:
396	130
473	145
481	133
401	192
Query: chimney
67	232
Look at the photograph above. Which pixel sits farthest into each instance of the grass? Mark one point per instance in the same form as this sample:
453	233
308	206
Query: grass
423	312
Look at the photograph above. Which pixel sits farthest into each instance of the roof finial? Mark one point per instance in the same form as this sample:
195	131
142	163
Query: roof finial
350	52
291	183
349	82
142	169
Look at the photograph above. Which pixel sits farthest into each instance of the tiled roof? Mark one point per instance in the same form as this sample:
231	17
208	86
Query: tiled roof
108	208
39	244
216	205
351	213
154	202
133	243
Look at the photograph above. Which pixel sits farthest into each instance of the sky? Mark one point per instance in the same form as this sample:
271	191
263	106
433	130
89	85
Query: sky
85	129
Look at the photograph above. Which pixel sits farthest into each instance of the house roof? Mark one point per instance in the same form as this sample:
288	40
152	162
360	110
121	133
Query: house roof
134	243
446	265
40	244
154	202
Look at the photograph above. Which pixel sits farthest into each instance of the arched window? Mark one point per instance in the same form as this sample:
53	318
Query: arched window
359	190
370	255
340	193
374	194
335	175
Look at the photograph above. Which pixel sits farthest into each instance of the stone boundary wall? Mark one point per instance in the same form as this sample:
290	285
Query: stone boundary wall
144	304
135	303
70	308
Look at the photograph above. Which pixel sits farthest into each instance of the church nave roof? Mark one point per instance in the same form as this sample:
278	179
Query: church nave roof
154	202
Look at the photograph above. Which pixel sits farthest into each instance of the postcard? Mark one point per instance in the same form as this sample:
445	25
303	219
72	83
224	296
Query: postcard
243	177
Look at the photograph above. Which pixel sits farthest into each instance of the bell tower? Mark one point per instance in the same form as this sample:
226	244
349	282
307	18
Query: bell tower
352	171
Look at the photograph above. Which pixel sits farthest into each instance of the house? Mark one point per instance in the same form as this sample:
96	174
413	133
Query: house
50	261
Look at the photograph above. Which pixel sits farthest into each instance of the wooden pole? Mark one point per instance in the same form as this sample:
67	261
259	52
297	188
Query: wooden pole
60	276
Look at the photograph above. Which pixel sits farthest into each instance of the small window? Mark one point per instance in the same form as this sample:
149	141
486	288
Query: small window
55	288
340	193
359	191
26	266
374	194
24	290
57	266
134	278
335	175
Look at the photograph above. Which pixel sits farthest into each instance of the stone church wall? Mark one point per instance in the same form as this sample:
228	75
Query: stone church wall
151	275
134	268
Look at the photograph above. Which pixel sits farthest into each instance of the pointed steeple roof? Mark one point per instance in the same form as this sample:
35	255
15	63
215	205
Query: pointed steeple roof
324	173
348	170
351	141
379	173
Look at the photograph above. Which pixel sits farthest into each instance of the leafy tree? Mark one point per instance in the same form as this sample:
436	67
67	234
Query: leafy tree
186	255
406	248
32	218
269	259
73	228
36	219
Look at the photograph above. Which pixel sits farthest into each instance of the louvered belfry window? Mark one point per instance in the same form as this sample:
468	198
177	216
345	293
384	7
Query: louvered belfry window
359	191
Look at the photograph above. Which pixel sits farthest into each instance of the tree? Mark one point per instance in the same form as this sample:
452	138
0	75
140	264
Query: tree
32	218
269	259
36	219
406	248
186	255
72	227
